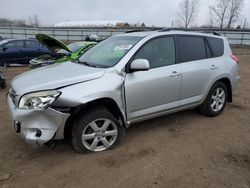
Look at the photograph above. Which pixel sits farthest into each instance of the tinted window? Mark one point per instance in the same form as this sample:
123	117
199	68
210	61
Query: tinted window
191	48
209	55
32	44
217	46
14	45
159	52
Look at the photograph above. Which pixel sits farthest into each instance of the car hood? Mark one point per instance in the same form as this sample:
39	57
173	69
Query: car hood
54	76
51	42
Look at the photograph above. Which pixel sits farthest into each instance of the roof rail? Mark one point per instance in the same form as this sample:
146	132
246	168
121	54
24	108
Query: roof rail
187	29
215	33
165	29
136	30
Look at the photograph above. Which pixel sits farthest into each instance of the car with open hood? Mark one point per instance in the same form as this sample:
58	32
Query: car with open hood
61	53
122	80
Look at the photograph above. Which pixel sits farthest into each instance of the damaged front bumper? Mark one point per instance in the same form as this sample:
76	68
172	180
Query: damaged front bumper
37	127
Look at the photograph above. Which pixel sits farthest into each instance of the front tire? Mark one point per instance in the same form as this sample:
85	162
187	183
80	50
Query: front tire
2	83
96	131
215	101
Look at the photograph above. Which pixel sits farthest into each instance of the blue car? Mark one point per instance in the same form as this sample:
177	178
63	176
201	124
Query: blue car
20	51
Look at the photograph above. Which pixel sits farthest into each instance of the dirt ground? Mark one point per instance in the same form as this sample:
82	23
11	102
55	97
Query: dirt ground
185	149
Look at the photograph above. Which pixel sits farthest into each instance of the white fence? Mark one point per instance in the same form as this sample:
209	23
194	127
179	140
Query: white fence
59	33
73	34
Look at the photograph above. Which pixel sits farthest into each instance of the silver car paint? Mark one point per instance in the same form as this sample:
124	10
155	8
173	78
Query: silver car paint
157	86
147	94
55	76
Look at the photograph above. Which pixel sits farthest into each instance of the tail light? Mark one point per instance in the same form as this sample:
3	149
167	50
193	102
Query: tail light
235	58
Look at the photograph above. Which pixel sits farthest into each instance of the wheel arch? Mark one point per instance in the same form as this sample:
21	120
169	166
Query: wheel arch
227	82
106	102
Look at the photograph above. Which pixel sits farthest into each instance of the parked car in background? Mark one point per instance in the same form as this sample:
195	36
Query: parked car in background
66	53
122	80
20	51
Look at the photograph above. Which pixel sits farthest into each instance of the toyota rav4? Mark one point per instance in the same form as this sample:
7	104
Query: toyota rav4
124	79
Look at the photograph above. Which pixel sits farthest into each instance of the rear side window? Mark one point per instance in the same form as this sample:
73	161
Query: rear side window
159	52
209	55
191	48
216	45
32	44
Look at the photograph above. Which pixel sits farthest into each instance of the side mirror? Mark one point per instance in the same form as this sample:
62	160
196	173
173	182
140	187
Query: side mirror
139	65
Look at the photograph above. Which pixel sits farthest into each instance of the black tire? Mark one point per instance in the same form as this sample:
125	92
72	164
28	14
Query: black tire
82	124
206	107
2	83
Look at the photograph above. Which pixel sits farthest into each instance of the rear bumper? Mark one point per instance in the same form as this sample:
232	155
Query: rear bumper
37	127
235	83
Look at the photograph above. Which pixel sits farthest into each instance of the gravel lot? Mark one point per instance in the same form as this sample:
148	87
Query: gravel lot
185	149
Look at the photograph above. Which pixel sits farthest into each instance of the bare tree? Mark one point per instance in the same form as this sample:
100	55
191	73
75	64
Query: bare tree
34	21
188	10
234	9
210	17
220	11
243	22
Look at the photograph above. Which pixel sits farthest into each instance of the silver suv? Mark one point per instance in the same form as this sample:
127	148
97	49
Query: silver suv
124	79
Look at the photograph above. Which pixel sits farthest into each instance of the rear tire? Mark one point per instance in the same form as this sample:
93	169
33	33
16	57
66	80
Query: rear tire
215	101
96	130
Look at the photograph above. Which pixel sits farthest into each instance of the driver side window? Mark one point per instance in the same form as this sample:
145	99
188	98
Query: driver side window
159	52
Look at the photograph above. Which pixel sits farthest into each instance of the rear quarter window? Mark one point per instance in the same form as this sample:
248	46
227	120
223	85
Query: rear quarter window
217	46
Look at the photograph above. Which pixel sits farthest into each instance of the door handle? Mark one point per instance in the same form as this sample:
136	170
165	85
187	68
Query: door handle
213	67
175	74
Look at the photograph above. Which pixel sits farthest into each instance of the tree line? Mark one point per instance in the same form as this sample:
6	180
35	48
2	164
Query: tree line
31	21
224	14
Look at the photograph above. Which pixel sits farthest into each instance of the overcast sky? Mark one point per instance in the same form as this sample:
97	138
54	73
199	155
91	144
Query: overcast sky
152	12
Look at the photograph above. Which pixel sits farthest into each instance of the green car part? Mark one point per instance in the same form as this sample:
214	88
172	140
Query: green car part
60	52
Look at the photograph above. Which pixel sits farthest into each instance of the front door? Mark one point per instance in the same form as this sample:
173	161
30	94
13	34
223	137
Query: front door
158	89
12	52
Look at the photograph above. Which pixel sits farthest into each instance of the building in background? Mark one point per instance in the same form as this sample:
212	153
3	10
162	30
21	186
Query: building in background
97	23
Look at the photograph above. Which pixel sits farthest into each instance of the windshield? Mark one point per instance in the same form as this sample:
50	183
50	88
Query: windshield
109	52
73	47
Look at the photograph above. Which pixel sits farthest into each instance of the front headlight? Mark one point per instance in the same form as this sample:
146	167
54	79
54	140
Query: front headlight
38	100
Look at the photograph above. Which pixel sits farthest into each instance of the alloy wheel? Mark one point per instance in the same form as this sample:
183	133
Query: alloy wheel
99	135
218	99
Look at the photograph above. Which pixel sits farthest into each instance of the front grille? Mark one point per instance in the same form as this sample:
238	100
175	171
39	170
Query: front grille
13	95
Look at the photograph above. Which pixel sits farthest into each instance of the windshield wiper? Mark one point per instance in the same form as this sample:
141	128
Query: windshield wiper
87	64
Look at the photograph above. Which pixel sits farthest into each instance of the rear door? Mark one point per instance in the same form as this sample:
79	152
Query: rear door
158	89
195	61
32	49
